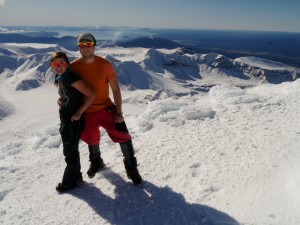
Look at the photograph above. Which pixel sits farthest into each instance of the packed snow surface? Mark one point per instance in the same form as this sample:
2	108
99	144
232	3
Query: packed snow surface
229	156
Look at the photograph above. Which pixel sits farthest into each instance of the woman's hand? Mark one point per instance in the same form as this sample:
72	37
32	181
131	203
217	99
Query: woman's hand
76	116
59	103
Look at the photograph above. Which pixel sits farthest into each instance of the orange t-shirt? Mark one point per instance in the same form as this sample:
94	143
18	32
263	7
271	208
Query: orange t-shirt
97	75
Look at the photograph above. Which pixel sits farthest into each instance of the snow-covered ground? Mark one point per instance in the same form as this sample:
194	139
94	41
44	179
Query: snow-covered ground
227	156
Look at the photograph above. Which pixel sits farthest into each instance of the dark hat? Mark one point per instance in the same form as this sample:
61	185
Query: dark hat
86	37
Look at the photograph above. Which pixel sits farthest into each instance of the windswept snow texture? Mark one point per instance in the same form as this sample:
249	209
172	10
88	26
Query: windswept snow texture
213	147
5	108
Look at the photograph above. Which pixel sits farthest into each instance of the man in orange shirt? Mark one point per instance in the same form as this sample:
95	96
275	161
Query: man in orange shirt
99	74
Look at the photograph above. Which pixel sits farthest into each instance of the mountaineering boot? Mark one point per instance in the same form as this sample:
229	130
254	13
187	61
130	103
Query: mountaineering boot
64	188
61	187
130	162
96	160
79	180
132	172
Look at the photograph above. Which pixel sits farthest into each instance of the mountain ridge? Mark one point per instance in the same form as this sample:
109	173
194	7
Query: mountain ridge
26	66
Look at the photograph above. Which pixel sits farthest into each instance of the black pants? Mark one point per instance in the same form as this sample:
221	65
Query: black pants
70	135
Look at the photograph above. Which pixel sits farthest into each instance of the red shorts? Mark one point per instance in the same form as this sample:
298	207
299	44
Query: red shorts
104	118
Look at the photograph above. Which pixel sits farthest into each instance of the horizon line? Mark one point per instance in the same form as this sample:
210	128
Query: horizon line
151	28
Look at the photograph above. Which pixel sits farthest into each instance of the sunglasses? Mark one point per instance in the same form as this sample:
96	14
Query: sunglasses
85	44
56	64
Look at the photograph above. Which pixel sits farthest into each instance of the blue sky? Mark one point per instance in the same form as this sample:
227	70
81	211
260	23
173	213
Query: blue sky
264	15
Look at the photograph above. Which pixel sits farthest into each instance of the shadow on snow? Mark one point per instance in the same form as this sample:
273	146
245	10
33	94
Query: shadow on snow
147	204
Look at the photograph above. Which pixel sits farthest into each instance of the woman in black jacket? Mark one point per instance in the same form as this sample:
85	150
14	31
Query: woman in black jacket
75	97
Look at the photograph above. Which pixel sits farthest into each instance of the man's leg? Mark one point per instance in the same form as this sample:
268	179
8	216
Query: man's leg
96	160
130	162
91	135
118	132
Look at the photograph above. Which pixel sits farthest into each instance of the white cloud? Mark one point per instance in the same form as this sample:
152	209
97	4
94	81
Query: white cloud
2	2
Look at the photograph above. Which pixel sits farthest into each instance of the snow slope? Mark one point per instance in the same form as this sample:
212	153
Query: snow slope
229	156
263	63
226	155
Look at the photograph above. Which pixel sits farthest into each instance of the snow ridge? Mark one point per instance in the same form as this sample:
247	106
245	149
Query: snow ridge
27	66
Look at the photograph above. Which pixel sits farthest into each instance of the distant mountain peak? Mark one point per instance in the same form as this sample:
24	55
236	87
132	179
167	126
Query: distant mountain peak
149	42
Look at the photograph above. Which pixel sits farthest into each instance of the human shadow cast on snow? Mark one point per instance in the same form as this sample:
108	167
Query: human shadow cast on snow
147	204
